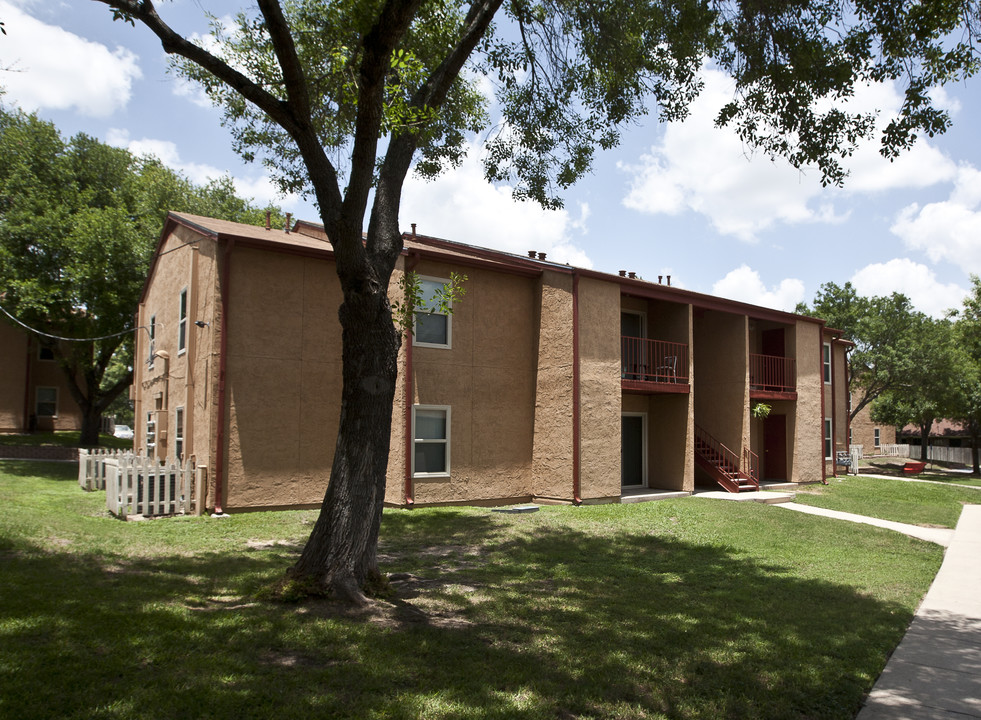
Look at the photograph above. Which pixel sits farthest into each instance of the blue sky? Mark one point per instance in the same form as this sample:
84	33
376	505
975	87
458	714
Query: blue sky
685	200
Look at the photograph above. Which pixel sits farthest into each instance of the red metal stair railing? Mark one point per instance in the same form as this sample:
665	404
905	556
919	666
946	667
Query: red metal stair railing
722	464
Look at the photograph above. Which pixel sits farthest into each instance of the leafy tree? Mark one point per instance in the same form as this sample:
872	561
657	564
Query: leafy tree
967	384
78	222
884	332
342	99
925	392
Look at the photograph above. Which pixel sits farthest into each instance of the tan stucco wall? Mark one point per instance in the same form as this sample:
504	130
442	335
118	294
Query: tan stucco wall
721	377
863	432
808	452
13	375
552	466
487	378
599	362
283	378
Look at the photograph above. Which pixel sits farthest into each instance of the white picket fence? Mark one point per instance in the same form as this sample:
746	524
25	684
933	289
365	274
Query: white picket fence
888	450
935	453
137	485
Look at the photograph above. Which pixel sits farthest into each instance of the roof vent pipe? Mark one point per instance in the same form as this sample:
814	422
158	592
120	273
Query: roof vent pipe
632	275
268	219
541	256
289	216
413	229
532	254
669	281
623	273
660	279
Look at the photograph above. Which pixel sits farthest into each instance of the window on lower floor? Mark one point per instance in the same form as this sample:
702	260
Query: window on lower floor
46	402
151	434
179	434
878	437
430	440
828	441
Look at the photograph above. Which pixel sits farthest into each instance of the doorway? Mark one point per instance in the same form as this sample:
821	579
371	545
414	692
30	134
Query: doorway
633	450
775	447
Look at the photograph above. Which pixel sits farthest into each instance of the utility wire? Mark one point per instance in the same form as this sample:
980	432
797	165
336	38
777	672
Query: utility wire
68	339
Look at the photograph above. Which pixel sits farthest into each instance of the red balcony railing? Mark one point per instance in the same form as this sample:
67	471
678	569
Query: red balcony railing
656	361
772	374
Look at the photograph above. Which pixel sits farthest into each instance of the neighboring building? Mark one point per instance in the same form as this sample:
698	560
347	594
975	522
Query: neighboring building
943	433
547	382
870	435
34	393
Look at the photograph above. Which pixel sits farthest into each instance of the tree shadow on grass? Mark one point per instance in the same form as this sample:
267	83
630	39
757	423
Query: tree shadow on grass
541	623
57	471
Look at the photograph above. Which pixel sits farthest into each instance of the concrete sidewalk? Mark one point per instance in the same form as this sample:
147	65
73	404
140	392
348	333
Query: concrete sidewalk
941	536
935	673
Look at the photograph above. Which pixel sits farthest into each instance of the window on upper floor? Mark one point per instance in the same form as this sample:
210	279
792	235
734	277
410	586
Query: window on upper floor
432	328
826	353
430	441
182	323
45	353
152	332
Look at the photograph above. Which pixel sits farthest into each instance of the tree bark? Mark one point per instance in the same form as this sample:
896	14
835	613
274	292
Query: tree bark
340	557
91	425
925	441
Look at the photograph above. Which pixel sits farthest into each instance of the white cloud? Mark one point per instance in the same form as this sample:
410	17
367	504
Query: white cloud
744	284
915	281
462	206
948	230
258	188
52	69
698	167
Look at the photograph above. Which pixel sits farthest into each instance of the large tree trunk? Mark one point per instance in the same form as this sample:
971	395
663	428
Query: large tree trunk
91	425
340	556
925	440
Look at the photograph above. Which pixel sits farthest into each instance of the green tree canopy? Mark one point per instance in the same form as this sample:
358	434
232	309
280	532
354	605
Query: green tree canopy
78	222
342	99
966	405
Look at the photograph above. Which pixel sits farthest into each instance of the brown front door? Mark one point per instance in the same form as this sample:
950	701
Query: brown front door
775	447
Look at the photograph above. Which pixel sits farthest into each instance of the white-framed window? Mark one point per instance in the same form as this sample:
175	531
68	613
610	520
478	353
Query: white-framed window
182	323
46	402
432	328
826	352
877	433
430	441
828	440
179	433
153	336
151	434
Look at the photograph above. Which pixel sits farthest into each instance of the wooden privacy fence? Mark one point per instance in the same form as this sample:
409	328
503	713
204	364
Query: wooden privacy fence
137	485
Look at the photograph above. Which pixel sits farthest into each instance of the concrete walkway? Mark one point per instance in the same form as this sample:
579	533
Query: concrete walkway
935	673
941	536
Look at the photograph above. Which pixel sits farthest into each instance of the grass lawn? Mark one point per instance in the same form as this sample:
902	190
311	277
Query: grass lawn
675	609
62	438
893	467
888	498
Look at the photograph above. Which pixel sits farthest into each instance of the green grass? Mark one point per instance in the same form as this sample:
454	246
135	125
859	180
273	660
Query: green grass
889	498
676	609
893	467
62	438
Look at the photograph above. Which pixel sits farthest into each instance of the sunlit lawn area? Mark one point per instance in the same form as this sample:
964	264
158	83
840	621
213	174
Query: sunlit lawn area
62	438
674	609
890	498
893	466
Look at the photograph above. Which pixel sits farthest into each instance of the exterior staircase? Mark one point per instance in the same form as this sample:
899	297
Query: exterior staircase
724	466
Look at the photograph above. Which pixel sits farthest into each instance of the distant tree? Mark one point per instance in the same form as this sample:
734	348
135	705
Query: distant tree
926	391
342	99
884	332
967	396
78	222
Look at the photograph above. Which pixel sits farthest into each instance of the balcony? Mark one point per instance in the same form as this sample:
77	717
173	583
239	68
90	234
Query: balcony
772	377
653	366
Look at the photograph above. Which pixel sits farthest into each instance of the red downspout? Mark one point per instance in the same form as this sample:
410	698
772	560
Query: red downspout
222	365
834	417
824	478
410	263
576	489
